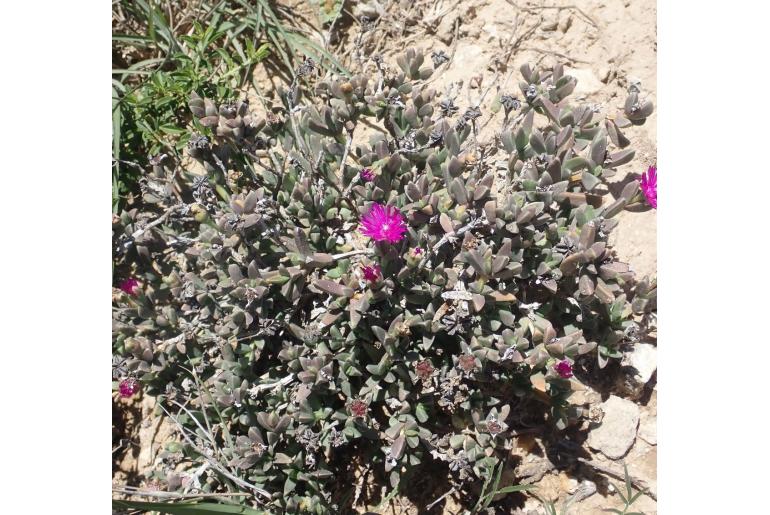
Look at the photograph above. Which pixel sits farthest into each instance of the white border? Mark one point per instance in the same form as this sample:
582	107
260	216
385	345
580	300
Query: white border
712	167
55	256
713	142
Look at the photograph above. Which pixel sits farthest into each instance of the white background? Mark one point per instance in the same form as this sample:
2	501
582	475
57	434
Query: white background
55	257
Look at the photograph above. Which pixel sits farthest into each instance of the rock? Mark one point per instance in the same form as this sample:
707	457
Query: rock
371	9
154	433
587	82
491	31
585	490
648	430
549	26
534	471
641	363
550	487
606	74
467	57
582	395
617	432
565	21
446	30
525	443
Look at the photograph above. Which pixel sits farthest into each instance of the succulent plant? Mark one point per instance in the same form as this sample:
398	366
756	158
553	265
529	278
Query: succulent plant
392	298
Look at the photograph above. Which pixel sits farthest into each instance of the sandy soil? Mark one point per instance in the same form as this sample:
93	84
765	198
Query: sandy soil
609	42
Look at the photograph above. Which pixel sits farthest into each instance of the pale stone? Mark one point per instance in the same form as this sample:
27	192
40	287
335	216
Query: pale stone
648	430
587	82
617	432
641	363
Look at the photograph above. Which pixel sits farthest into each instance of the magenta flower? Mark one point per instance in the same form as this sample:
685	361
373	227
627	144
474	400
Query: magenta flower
383	223
494	427
367	175
358	408
564	369
130	286
650	186
128	387
371	273
417	251
424	369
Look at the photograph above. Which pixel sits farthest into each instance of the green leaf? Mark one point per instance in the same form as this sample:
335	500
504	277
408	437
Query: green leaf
333	288
513	488
629	488
388	497
506	138
521	139
589	181
620	493
186	508
635	497
458	192
421	413
576	163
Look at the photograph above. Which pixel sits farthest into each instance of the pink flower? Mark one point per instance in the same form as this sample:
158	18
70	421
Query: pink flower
383	223
650	186
424	369
128	387
467	362
367	175
358	408
130	286
371	273
417	251
564	369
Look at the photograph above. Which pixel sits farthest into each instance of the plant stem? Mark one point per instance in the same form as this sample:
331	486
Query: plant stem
171	495
272	386
448	236
354	180
353	253
431	505
216	465
162	218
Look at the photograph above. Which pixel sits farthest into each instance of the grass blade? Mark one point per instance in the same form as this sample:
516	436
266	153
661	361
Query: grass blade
186	508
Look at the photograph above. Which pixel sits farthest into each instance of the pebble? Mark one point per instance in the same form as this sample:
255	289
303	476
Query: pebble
648	430
605	74
617	432
371	9
641	363
533	472
446	30
550	26
585	490
587	82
